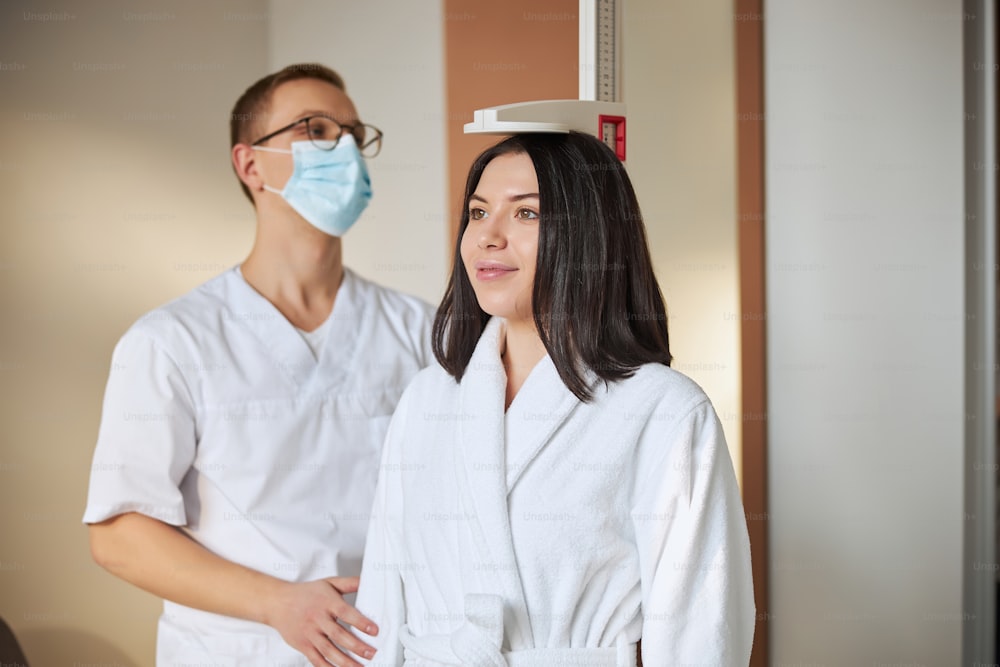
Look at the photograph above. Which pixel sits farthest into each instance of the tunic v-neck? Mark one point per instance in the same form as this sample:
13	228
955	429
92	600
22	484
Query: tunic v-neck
288	348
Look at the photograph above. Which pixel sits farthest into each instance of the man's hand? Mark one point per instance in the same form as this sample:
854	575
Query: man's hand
306	615
161	559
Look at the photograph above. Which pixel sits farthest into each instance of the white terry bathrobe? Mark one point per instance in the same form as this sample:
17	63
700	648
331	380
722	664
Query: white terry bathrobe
557	532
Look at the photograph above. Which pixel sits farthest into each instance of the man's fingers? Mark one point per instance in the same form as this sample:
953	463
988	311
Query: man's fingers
352	617
335	656
344	584
314	657
345	612
341	636
329	657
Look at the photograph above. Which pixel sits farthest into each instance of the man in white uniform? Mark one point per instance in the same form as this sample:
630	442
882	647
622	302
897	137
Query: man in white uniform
242	425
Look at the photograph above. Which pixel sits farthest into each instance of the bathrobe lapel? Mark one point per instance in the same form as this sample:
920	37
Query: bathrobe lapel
481	443
537	412
488	475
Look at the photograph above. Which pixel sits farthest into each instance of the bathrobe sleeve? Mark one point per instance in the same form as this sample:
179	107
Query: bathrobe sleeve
697	594
380	592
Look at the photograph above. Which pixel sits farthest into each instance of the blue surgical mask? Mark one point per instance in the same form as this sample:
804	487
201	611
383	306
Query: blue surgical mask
330	188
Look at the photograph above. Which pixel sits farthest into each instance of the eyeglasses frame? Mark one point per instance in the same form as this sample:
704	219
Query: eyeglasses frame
350	128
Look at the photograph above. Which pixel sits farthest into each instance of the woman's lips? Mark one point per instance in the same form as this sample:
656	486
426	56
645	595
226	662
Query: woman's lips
492	270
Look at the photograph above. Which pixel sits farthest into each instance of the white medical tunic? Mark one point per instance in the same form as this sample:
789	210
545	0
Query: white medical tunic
218	417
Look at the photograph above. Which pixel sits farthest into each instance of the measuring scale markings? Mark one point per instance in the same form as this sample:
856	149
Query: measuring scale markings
606	51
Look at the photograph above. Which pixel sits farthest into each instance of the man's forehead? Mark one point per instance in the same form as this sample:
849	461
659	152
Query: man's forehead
305	97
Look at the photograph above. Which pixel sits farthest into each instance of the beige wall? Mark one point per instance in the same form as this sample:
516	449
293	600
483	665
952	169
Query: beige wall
486	67
390	54
117	196
866	315
678	83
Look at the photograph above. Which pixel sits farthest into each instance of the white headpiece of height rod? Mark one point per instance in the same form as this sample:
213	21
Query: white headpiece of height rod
598	111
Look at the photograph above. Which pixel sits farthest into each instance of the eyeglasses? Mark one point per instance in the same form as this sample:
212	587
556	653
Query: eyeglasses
325	133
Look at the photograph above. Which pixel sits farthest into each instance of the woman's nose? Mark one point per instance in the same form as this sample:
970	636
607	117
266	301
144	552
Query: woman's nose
491	236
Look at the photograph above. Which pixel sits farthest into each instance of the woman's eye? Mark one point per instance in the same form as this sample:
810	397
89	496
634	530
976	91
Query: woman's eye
476	214
526	214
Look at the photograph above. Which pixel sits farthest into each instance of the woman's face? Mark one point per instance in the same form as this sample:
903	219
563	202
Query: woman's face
500	244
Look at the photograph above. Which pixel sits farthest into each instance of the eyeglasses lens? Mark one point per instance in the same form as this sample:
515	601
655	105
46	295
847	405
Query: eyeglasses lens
325	133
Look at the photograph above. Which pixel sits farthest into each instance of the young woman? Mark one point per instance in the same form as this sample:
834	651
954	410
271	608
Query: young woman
552	492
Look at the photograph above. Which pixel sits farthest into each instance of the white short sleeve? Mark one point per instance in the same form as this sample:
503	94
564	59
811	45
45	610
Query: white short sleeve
146	442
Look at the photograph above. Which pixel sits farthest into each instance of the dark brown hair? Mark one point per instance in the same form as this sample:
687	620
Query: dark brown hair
595	300
248	118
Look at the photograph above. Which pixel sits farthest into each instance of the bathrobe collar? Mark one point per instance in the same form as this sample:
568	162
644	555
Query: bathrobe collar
540	407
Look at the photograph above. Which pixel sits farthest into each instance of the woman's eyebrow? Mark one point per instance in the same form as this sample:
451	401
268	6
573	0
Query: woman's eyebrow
528	195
